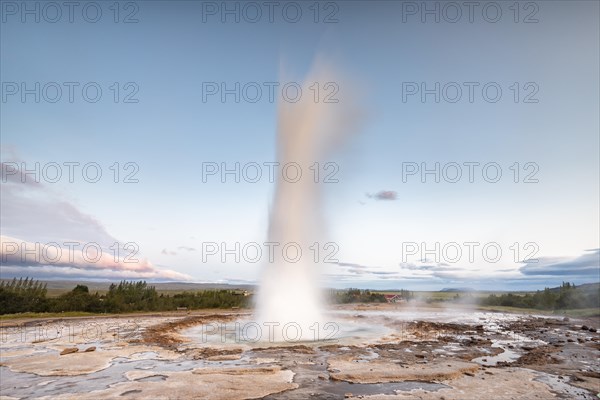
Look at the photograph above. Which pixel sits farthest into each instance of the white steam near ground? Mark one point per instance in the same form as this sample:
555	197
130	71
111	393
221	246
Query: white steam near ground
308	131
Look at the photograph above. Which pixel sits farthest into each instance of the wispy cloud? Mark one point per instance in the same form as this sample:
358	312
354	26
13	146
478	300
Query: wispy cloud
186	248
350	271
586	265
34	214
24	257
383	195
168	252
38	212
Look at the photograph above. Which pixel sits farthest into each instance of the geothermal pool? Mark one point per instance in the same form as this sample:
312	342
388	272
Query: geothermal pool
339	327
379	352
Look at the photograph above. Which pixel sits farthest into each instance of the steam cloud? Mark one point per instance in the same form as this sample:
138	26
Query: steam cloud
307	132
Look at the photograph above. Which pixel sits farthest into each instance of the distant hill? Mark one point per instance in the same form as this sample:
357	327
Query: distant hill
465	289
584	287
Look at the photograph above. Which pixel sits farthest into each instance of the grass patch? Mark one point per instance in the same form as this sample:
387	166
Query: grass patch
47	315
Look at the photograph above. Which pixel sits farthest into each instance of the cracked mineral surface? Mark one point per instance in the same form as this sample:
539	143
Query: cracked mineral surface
383	352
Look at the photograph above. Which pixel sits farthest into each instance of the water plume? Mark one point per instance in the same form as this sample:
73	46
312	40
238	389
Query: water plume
308	132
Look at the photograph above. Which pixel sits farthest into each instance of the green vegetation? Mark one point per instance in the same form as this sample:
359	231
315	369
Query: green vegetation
435	297
583	300
25	296
22	295
356	296
57	287
5	317
566	297
31	297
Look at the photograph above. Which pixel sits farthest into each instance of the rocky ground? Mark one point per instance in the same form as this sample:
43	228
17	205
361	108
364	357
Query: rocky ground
416	354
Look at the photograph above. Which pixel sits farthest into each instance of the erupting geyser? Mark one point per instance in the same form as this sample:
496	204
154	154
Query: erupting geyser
308	131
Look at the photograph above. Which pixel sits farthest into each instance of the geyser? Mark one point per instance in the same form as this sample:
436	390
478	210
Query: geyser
308	131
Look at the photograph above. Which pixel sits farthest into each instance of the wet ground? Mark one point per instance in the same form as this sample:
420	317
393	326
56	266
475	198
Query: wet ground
372	352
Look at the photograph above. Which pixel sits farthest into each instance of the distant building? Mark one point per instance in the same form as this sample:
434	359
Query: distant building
181	308
394	298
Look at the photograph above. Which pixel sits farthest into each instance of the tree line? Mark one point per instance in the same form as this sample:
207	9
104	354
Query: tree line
356	296
27	295
566	297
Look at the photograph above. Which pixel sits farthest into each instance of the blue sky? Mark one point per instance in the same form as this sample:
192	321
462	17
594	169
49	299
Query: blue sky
176	47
